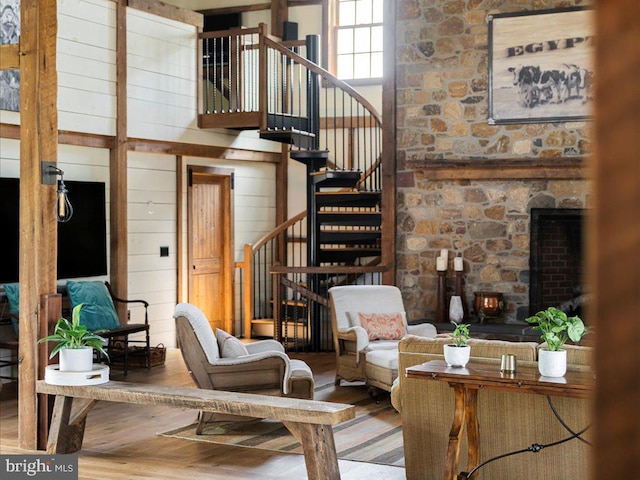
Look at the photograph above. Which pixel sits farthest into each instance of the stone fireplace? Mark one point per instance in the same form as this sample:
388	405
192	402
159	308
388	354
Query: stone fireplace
556	260
469	186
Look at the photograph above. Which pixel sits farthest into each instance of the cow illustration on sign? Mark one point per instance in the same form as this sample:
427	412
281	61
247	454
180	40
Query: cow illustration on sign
540	66
537	87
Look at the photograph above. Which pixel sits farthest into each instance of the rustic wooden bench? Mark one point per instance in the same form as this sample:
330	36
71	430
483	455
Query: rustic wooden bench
309	421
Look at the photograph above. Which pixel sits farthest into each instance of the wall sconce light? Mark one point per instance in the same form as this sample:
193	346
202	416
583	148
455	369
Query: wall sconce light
62	209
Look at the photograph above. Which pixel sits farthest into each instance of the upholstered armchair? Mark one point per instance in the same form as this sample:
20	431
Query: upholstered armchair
368	321
219	361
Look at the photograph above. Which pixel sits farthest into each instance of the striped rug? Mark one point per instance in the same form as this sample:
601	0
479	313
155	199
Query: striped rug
374	436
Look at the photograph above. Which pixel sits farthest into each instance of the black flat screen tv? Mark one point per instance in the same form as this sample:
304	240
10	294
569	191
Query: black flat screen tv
82	241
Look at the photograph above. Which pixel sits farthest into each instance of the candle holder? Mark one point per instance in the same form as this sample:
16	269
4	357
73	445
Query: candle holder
458	284
441	306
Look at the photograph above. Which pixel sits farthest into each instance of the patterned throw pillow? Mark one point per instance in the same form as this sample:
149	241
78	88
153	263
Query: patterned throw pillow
382	326
230	346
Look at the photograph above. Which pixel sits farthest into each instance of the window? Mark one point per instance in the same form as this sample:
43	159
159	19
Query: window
357	39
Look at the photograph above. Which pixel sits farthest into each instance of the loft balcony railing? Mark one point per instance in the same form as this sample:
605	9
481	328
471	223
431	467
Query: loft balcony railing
255	81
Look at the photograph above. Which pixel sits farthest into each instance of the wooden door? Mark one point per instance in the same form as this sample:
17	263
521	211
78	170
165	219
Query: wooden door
210	245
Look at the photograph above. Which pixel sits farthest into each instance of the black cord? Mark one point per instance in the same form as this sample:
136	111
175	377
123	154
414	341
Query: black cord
536	447
564	424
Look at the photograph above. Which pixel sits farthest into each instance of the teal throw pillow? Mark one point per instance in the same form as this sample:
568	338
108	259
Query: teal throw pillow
13	296
97	317
12	290
98	312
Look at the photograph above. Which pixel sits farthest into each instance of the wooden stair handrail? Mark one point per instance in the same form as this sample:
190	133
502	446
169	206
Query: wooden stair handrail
278	230
339	269
229	32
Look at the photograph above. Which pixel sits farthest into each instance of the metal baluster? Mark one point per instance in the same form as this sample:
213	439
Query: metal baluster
207	83
229	68
238	102
215	75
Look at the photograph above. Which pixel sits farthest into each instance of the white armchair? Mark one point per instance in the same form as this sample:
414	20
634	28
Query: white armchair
358	356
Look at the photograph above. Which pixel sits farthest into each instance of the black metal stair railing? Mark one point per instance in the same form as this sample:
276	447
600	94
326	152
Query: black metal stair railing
348	126
294	327
286	243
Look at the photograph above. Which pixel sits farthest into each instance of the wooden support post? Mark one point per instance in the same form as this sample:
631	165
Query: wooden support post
118	266
388	168
279	15
38	233
614	236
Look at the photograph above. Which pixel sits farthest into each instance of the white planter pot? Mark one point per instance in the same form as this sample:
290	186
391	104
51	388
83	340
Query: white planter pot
76	359
552	363
457	356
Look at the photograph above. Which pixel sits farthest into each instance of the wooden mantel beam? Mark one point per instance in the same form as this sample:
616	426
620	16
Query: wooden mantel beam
38	232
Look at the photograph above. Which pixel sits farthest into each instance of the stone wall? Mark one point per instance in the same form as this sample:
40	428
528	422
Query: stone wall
442	105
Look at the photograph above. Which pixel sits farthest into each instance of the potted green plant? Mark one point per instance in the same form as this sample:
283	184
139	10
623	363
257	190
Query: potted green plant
556	329
457	354
74	344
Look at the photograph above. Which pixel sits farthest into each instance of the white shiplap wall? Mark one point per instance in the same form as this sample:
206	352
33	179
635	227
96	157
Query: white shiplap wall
162	104
86	66
152	213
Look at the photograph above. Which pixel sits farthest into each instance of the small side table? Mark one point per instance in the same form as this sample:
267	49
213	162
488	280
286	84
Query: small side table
468	380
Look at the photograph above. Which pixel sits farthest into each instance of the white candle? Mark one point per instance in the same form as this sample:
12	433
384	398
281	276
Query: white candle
457	264
441	264
444	253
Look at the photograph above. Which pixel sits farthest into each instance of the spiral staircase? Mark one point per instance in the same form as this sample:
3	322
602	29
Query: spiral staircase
255	81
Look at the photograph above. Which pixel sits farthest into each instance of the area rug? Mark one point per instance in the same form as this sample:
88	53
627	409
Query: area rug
374	436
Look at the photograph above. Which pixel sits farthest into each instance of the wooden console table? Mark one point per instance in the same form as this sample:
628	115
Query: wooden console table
468	380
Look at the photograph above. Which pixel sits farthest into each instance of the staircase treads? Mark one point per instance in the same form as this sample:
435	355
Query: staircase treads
336	178
316	158
347	199
350	236
286	121
297	238
299	138
372	219
262	321
347	255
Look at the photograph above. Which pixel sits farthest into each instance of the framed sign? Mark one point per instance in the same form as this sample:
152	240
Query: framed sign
541	66
9	33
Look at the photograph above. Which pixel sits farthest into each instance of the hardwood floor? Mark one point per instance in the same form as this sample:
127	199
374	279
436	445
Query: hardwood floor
122	441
